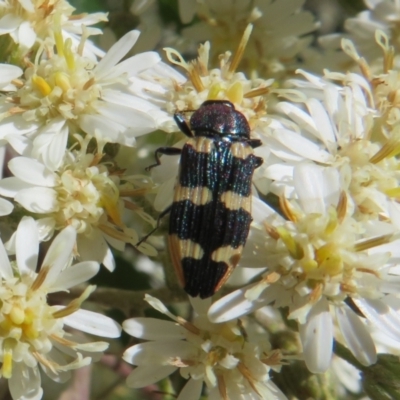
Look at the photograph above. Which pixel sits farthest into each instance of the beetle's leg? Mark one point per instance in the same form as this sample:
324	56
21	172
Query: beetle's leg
158	223
168	151
254	143
182	124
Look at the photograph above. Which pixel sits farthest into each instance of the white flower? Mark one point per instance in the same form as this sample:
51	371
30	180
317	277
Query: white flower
346	377
7	74
217	354
336	126
29	21
5	206
67	93
383	15
380	82
81	193
318	257
172	92
275	42
32	331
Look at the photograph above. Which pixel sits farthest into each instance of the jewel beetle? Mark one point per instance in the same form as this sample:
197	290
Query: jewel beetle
210	215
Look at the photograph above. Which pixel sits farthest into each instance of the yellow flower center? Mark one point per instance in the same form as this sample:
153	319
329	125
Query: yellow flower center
86	194
26	321
221	83
61	85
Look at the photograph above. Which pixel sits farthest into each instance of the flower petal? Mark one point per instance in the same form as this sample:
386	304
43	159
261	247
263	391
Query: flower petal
21	144
74	275
136	64
164	195
192	390
160	352
153	329
317	337
58	255
93	323
5	266
27	5
27	245
113	131
8	73
50	147
384	317
146	375
317	187
116	53
32	171
26	35
9	187
6	207
324	130
234	305
9	23
13	126
200	306
94	247
302	146
46	228
38	199
348	374
134	121
357	338
25	383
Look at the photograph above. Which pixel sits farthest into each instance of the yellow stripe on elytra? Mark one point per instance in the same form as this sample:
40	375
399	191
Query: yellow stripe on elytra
227	254
235	201
191	249
187	248
231	257
199	195
201	144
241	150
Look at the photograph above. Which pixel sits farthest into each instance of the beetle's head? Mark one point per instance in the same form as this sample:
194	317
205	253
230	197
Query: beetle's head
219	118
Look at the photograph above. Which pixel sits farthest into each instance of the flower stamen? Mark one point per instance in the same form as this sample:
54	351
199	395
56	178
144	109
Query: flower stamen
6	368
52	366
293	247
40	84
75	304
370	243
40	278
222	387
237	57
287	209
246	373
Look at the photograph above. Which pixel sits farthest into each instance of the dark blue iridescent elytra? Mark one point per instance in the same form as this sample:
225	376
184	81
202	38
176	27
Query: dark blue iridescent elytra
218	171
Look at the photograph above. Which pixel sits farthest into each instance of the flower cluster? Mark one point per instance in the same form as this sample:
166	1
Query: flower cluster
33	332
220	355
317	284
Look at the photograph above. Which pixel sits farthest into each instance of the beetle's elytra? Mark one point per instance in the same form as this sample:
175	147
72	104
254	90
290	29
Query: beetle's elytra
211	210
